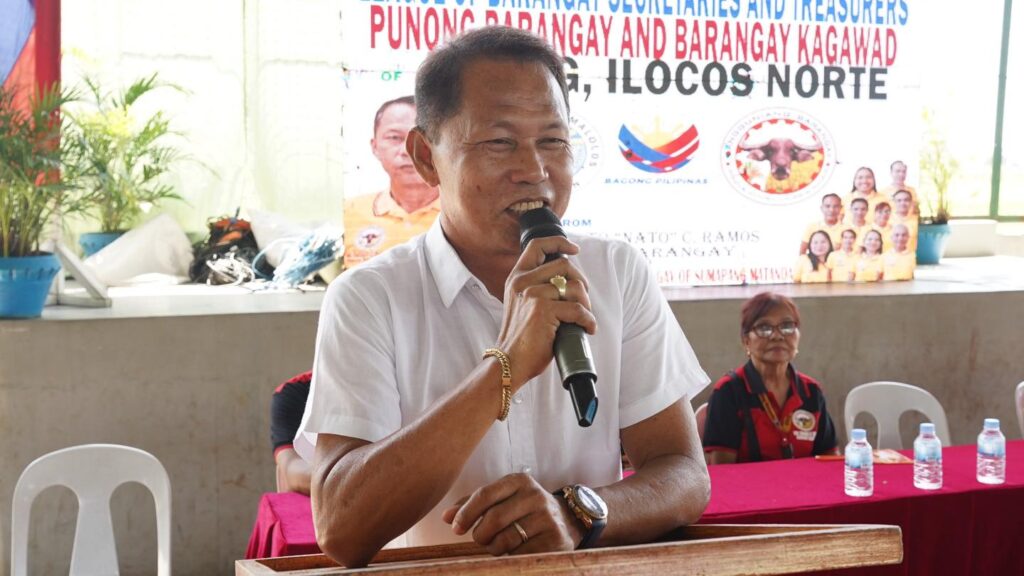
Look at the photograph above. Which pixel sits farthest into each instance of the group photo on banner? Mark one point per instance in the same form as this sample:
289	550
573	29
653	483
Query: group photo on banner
731	143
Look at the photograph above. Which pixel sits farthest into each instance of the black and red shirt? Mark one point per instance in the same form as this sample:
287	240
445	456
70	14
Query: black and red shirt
740	418
286	408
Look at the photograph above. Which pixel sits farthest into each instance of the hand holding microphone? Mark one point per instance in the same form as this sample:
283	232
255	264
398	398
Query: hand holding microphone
571	349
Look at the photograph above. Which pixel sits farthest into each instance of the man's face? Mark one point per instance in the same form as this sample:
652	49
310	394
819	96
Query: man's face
849	239
506	151
860	211
900	238
903	203
899	172
388	144
830	208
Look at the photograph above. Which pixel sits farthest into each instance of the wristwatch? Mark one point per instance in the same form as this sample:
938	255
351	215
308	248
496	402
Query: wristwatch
589	509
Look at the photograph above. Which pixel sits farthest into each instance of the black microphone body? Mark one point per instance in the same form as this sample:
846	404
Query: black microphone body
572	351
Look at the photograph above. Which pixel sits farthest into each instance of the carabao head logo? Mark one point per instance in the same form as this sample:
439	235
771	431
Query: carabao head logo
659	151
778	156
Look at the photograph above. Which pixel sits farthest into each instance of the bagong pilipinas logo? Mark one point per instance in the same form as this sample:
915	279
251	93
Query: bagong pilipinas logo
659	151
778	156
586	150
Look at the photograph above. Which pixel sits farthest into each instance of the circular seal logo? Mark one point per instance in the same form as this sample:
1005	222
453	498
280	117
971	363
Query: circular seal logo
803	420
370	237
586	150
778	156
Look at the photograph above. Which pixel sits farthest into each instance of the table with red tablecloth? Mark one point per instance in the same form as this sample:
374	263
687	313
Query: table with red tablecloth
963	528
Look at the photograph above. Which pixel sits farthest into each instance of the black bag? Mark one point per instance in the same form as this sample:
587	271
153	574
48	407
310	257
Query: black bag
226	256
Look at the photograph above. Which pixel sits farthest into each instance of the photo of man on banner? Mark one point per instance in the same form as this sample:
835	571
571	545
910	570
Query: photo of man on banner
377	221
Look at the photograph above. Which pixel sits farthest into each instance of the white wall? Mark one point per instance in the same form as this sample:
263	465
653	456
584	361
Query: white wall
263	109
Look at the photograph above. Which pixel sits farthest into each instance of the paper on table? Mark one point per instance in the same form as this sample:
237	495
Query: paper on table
883	456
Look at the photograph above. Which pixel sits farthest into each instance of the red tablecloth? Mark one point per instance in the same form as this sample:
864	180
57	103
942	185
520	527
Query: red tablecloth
284	527
963	528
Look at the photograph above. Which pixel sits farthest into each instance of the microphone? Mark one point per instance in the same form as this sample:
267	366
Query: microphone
572	351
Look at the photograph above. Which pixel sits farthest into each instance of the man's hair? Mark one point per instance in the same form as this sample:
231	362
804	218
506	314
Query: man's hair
439	78
856	200
832	195
407	100
893	165
760	305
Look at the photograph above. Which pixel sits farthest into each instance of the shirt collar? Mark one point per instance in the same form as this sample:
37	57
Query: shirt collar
385	205
756	385
450	274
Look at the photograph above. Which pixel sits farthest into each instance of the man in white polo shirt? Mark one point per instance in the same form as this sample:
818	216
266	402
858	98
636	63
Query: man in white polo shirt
408	415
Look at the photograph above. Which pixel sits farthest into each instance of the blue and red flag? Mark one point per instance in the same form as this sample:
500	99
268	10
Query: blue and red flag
29	44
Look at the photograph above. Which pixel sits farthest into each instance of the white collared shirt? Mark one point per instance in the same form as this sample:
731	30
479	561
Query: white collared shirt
403	329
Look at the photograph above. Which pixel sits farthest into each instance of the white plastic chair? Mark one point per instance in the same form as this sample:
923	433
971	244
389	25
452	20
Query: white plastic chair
1020	407
92	472
886	402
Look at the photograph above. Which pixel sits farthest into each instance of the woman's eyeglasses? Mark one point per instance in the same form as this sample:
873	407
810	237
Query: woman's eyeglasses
787	328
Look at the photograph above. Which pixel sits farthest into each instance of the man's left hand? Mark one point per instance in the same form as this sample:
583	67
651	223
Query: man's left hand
493	511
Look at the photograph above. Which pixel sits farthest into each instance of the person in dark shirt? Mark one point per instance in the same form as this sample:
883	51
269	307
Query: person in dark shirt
286	408
766	409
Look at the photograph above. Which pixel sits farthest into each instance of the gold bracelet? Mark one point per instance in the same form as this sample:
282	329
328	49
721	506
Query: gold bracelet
506	381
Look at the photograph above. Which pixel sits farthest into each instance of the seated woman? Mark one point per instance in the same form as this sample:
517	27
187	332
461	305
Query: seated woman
765	409
286	408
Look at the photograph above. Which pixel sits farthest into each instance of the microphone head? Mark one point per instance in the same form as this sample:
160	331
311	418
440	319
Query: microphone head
538	223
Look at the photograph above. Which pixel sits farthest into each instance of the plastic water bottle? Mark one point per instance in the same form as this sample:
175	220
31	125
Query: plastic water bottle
860	475
991	453
927	459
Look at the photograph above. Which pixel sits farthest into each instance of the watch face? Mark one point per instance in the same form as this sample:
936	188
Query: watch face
591	502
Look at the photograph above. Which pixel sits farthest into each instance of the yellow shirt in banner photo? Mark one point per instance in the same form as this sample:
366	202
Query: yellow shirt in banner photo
889	190
375	222
843	265
804	273
873	201
869	268
835	232
899	265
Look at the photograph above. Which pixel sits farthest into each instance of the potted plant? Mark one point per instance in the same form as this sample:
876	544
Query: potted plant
939	168
33	196
122	158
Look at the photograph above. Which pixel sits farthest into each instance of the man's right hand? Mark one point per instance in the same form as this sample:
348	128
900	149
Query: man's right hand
533	310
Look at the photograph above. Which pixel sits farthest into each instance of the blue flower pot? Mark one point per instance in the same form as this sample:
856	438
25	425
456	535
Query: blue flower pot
931	242
24	283
93	242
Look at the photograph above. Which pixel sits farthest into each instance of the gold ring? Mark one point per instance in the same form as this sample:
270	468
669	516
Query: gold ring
522	533
558	281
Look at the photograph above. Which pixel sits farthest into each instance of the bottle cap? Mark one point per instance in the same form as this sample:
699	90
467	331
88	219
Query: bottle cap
991	423
859	434
927	428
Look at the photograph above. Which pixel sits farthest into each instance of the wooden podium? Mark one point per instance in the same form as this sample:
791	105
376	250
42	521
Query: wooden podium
708	549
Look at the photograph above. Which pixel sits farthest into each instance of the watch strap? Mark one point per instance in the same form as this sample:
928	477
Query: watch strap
592	526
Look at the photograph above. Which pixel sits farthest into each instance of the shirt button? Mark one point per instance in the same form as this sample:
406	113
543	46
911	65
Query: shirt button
518	398
527	470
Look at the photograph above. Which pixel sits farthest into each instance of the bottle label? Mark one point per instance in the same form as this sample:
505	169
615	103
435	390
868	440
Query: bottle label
858	458
990	448
928	453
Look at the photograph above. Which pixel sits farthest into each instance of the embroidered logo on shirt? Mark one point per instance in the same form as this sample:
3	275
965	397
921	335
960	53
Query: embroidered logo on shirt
804	420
